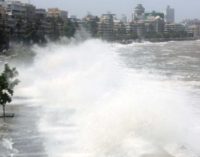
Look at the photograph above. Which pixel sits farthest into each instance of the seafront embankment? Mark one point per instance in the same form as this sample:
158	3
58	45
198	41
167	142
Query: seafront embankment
8	51
156	40
171	39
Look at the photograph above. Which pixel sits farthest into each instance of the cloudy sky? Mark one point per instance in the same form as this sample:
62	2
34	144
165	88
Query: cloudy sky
183	8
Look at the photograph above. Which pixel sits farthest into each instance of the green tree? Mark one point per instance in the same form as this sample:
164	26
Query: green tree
70	28
7	84
91	25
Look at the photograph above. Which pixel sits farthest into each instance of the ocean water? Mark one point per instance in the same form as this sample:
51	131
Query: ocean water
99	99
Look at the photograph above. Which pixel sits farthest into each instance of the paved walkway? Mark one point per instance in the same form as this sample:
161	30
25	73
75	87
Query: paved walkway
19	136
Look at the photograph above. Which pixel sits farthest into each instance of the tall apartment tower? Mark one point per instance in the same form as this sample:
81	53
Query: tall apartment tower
106	26
138	13
170	15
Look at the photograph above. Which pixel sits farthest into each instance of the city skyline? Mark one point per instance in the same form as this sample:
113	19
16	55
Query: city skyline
190	9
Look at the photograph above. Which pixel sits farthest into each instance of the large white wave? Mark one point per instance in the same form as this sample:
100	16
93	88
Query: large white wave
92	105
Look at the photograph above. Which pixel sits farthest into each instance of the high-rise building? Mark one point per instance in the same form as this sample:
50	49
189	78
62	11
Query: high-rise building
124	19
16	9
138	12
2	17
105	26
55	12
170	15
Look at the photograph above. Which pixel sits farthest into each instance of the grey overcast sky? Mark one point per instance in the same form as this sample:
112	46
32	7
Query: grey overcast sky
183	8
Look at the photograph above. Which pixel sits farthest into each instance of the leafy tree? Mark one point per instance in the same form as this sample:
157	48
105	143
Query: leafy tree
29	32
91	25
18	29
7	84
70	28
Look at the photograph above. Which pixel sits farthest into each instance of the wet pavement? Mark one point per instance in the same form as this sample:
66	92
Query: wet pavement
19	136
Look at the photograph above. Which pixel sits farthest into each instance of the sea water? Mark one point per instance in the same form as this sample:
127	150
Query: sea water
100	99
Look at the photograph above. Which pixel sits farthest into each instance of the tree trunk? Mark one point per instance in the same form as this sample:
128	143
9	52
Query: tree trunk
4	111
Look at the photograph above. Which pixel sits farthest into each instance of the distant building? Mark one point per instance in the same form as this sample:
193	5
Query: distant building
55	12
119	30
16	9
90	23
73	17
155	25
194	30
2	11
136	29
170	15
131	29
40	13
153	15
16	18
146	24
2	18
192	27
124	19
55	22
138	12
106	26
4	39
140	29
64	14
154	22
174	27
30	11
42	22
